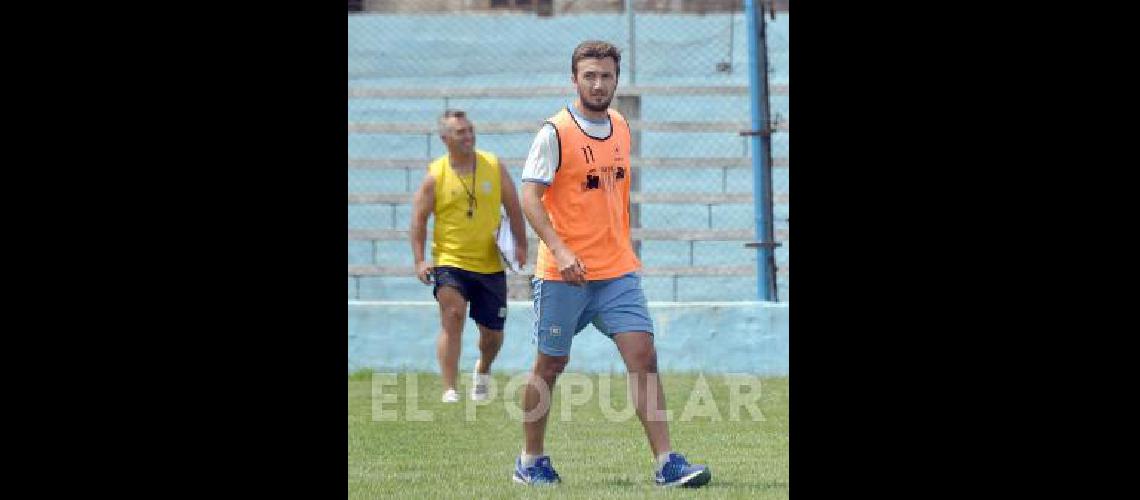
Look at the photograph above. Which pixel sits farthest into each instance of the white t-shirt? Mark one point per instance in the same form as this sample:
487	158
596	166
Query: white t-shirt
542	160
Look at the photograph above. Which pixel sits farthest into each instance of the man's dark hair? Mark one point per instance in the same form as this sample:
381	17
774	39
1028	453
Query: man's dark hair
595	49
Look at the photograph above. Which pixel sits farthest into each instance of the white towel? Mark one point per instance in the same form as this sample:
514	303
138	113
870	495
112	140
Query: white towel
506	242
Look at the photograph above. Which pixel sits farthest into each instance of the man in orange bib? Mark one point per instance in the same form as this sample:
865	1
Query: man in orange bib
575	195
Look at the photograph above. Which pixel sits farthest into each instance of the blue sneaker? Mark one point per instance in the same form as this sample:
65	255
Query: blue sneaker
541	473
678	472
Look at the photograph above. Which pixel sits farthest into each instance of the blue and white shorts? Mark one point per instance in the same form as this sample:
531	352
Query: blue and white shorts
562	310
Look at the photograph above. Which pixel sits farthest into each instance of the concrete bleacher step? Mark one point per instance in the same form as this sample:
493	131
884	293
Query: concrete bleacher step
368	92
530	127
635	197
370	270
635	233
636	162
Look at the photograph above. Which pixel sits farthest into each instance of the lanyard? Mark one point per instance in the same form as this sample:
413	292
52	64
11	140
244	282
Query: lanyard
471	202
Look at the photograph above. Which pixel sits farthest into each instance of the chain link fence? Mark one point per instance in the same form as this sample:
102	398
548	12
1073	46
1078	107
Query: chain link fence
777	42
683	86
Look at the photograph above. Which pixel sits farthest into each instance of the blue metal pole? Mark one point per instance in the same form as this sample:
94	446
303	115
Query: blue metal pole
761	150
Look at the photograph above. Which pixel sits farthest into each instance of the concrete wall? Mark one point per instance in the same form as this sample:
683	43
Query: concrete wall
406	6
564	6
712	337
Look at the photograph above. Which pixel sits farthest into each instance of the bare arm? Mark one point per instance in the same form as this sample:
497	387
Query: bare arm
423	204
510	200
572	269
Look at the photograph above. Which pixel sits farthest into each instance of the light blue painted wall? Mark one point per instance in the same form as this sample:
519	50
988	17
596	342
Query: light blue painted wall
745	337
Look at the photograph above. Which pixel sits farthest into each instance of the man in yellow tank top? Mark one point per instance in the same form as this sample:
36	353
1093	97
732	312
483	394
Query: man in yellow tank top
575	194
464	190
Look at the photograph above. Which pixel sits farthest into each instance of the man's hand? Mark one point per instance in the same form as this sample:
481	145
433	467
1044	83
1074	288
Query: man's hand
423	271
572	269
520	254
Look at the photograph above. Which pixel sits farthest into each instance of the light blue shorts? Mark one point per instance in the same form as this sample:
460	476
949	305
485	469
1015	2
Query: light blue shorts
562	310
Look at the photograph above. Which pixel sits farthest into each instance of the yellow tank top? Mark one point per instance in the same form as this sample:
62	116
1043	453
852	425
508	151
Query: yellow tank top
458	240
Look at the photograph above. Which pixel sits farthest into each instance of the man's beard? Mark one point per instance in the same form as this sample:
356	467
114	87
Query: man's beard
599	108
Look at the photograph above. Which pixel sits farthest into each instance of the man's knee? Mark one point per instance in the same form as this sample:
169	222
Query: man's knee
643	363
453	313
549	367
452	305
490	337
642	358
650	363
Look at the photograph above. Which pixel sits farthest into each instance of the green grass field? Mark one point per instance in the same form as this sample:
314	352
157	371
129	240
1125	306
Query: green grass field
468	450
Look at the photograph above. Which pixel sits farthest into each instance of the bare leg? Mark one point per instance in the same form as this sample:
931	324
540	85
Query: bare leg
452	305
546	369
489	343
640	358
